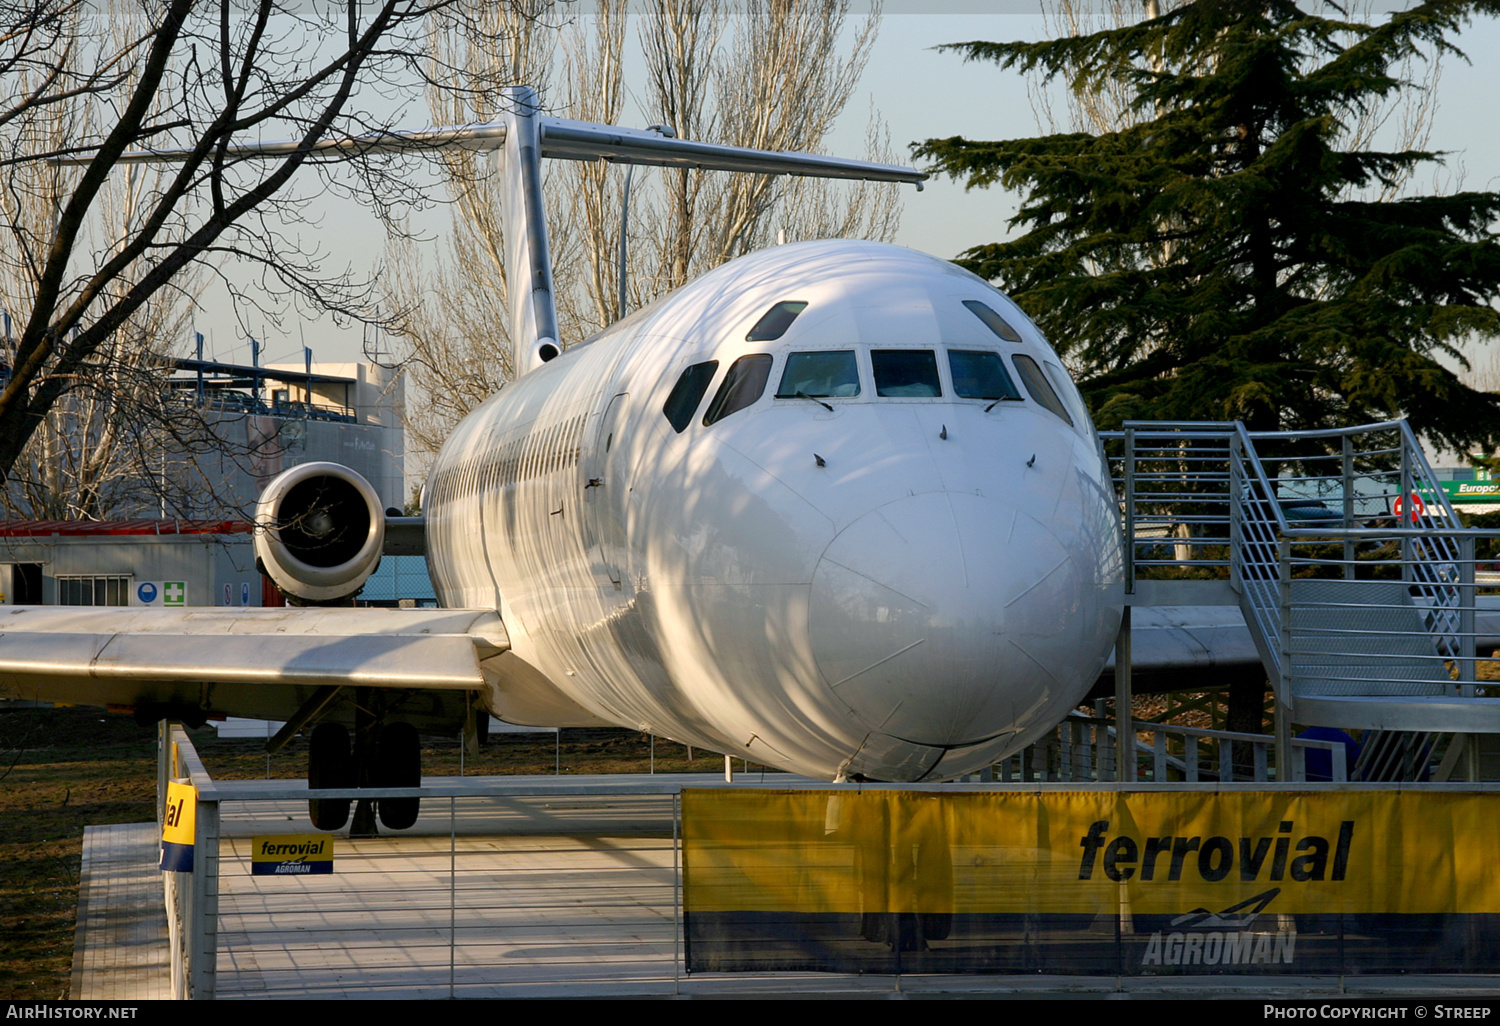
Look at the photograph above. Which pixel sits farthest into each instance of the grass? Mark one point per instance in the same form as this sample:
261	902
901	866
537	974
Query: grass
64	769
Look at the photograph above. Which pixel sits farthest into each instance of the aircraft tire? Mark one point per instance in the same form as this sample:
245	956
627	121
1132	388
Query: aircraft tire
398	764
935	925
329	764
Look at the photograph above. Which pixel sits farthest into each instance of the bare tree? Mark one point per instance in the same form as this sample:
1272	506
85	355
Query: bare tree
198	79
456	313
595	73
99	450
1097	105
770	76
774	77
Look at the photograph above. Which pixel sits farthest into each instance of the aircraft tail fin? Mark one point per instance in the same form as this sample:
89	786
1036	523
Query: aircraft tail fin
520	138
528	259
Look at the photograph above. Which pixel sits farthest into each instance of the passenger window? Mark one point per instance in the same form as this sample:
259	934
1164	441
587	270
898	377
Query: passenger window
1037	385
992	320
688	393
905	373
820	374
774	322
745	383
980	375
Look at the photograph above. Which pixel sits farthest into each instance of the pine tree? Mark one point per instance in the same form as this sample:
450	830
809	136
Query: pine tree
1222	258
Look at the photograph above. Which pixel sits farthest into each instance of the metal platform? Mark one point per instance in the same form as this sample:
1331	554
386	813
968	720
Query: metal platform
1358	583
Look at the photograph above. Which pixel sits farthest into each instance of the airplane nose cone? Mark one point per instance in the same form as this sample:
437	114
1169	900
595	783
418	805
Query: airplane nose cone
947	620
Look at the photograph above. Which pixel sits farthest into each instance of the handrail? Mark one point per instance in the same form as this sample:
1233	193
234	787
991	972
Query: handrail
1262	507
1063	742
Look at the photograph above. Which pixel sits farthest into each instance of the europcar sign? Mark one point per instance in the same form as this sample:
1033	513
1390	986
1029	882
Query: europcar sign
1092	882
1468	493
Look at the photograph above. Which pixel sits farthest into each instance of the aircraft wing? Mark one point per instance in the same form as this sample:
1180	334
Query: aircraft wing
1202	647
1184	648
129	657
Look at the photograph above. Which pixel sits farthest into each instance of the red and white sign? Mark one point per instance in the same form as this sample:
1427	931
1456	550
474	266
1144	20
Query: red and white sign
1418	507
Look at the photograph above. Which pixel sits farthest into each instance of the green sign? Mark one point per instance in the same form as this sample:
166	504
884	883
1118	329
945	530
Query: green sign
1470	493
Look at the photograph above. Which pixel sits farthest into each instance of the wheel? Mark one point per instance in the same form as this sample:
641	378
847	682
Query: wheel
398	763
934	925
329	764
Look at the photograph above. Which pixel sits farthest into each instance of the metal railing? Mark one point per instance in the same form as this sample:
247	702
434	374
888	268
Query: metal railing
457	910
1354	574
1174	482
426	920
191	898
1366	487
1084	749
240	403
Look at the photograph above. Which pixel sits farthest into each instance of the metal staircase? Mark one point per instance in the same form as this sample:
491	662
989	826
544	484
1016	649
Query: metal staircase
1352	637
1350	567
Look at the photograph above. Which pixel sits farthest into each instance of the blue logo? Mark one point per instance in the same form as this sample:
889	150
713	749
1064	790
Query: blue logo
146	592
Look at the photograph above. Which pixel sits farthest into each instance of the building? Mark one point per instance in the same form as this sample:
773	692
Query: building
261	421
204	443
275	417
160	563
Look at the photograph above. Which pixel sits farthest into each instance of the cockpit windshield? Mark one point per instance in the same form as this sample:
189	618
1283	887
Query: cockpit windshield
742	386
775	321
819	374
980	374
905	373
999	325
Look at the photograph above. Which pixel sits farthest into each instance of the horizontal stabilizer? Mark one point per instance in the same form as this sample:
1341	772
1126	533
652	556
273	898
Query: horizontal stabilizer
462	137
580	140
564	139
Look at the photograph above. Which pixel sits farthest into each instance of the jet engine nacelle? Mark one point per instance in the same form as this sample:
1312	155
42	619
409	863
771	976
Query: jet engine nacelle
319	532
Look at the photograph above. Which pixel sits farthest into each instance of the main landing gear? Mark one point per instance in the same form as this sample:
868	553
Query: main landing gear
330	763
379	754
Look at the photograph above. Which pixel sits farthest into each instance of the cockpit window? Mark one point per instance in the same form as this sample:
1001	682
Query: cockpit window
1036	384
774	322
743	384
980	374
1068	391
992	320
683	402
905	373
830	372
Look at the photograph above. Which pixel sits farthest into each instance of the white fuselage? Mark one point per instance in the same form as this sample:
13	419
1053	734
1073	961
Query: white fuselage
901	587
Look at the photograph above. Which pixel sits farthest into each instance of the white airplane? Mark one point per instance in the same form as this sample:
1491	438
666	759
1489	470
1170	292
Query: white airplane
835	508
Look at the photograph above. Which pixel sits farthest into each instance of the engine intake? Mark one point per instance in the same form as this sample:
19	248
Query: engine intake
319	532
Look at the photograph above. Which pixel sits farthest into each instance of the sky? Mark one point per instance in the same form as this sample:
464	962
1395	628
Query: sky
921	93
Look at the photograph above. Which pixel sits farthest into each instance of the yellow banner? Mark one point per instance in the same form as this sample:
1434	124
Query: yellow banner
179	822
1090	852
178	827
